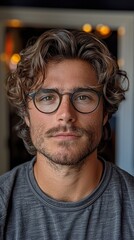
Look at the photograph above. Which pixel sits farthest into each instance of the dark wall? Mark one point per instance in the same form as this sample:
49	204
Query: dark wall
76	4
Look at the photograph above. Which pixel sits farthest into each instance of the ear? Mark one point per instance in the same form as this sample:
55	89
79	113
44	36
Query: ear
105	118
27	120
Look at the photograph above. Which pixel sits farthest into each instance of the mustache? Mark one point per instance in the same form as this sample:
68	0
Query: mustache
75	130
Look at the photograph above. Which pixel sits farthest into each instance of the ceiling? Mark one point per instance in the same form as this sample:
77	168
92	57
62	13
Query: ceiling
79	4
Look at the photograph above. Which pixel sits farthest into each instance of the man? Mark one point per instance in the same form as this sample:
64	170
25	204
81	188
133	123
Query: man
65	89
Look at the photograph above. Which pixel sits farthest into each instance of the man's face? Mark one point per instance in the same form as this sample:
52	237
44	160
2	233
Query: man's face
66	136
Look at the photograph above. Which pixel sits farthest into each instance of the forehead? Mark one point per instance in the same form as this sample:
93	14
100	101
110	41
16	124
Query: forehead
69	74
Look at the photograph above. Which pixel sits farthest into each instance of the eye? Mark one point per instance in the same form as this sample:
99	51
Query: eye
46	98
85	97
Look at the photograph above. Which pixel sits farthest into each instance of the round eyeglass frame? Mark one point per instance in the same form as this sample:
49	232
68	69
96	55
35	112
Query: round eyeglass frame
33	96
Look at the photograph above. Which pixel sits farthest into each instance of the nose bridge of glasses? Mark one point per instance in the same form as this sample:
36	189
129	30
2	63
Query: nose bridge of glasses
67	97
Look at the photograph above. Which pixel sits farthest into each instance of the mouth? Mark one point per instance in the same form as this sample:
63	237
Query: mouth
66	136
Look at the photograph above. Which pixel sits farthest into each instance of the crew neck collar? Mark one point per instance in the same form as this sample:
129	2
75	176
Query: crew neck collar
69	206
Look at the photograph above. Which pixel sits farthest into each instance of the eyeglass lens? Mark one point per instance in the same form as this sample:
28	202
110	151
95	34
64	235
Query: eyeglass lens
84	101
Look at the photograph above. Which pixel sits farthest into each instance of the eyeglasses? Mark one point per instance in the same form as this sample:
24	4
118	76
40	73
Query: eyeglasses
84	100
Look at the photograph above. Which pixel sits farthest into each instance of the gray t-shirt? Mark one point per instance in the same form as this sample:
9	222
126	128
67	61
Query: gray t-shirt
26	213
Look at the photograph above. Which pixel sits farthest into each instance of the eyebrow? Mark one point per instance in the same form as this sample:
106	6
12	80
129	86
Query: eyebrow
75	88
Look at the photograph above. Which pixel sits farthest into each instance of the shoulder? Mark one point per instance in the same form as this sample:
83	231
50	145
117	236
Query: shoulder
9	182
9	177
123	181
123	175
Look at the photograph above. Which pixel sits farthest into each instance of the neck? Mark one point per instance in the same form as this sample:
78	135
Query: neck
66	183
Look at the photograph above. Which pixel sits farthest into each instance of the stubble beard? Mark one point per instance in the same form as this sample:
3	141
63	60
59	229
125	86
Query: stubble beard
73	153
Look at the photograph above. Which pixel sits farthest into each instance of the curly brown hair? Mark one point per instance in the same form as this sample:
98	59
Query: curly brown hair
57	45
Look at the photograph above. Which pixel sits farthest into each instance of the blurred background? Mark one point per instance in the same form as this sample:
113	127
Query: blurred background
112	21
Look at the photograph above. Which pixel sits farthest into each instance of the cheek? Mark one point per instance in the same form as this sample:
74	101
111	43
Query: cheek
94	123
38	120
93	127
93	119
35	117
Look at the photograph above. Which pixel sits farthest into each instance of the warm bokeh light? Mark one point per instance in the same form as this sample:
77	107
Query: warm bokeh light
87	27
13	61
121	62
9	44
15	58
121	31
3	57
14	23
103	30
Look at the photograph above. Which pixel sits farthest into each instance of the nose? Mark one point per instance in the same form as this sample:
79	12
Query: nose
66	112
